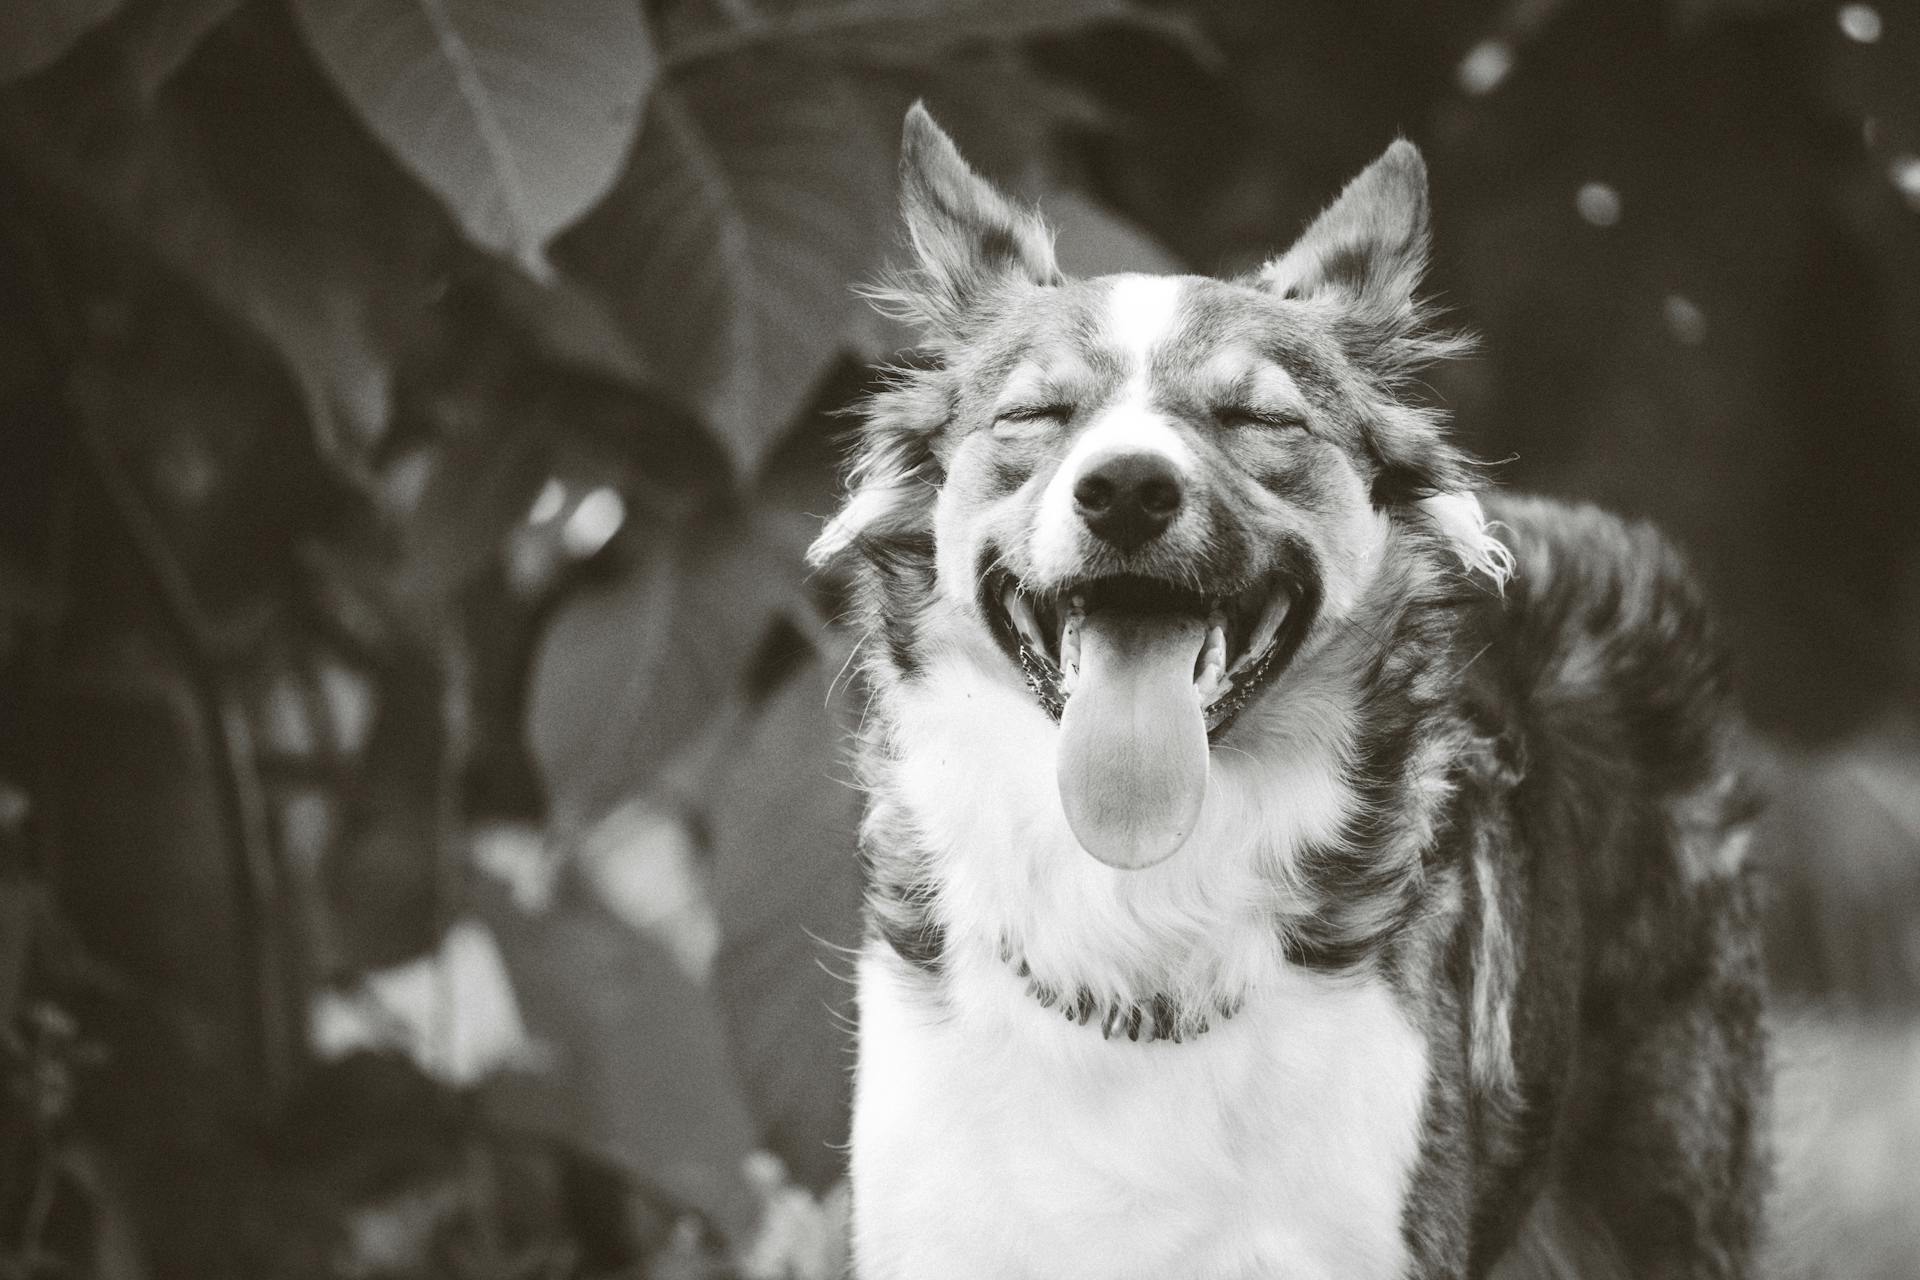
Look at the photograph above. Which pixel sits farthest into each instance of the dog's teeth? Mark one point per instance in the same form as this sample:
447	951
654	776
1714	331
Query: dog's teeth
1211	682
1266	629
1021	611
1070	646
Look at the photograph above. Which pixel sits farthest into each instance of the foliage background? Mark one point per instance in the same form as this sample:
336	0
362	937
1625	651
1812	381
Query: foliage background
424	841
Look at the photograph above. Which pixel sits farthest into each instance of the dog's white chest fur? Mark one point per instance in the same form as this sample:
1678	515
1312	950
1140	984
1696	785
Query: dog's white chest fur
992	1138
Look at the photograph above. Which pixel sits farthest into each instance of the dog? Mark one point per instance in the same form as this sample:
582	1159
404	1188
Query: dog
1282	858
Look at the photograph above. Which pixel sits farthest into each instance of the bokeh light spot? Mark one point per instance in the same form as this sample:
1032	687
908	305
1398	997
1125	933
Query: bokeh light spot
1904	172
1860	22
1484	67
1685	320
1598	203
597	518
553	496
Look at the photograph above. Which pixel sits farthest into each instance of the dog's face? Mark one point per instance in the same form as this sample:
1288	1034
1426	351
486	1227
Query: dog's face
1144	493
1138	442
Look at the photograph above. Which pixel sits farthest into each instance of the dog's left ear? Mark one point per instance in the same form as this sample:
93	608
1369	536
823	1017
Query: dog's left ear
1366	254
1369	247
966	236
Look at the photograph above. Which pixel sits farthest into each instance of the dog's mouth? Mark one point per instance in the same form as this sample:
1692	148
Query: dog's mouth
1143	675
1244	636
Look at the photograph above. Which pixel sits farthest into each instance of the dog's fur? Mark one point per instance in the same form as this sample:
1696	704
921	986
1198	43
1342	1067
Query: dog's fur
1458	967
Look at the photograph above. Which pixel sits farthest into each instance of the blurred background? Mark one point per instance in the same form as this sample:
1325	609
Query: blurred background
425	842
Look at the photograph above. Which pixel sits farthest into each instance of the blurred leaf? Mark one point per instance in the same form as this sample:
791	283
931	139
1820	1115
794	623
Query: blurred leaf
516	114
1093	240
783	823
384	877
802	1236
21	902
760	193
640	1074
159	36
629	674
34	33
150	885
644	864
571	326
453	1012
475	488
915	30
326	249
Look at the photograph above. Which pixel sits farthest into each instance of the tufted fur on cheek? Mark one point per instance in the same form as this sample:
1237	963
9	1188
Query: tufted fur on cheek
1360	264
896	472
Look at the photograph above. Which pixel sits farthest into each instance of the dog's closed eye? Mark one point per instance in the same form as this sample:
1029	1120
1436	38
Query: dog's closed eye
1246	415
1017	419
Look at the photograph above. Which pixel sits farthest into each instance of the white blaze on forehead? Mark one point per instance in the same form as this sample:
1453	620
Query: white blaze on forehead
1140	313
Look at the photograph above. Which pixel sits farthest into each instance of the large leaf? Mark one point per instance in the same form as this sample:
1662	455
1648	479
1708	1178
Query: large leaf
326	249
638	1074
786	884
760	193
159	37
899	30
652	667
34	33
517	113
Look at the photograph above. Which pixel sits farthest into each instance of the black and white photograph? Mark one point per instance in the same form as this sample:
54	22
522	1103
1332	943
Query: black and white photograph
959	640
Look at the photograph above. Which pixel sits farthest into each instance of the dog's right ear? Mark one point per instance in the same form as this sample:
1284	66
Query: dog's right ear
966	236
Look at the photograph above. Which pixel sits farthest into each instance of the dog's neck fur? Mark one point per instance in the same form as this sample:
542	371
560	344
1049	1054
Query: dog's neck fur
1315	860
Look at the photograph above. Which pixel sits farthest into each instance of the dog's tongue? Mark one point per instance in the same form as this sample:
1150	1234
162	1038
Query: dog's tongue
1133	740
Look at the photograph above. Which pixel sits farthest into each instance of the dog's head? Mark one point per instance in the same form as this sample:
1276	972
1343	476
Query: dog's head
1140	495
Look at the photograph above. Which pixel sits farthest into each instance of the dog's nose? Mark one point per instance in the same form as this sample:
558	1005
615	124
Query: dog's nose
1129	499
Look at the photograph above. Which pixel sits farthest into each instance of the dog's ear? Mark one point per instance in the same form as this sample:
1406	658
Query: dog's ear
1366	254
966	236
1369	247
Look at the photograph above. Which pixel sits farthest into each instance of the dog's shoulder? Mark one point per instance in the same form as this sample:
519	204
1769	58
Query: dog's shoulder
1601	674
1601	662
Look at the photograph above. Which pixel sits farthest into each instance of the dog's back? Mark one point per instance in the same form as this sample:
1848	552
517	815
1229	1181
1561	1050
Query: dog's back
1622	909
